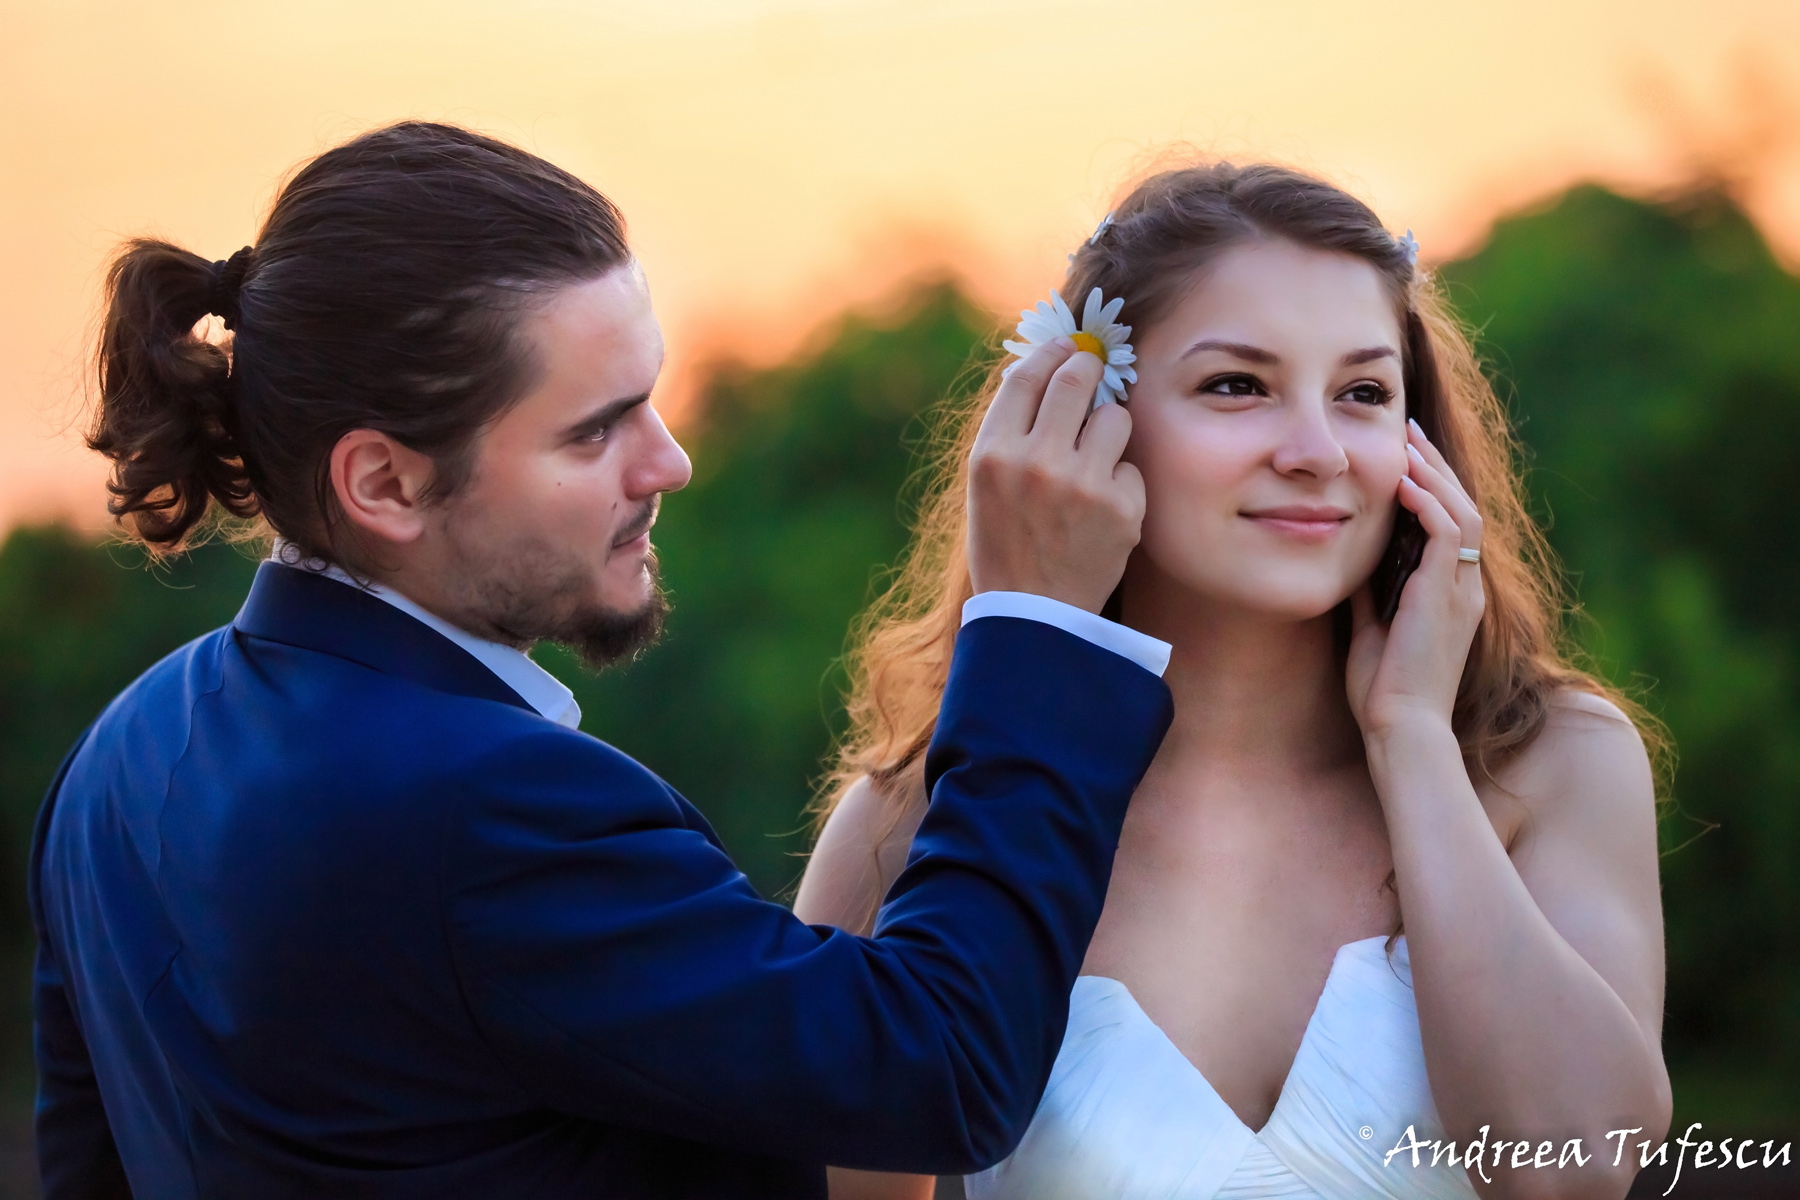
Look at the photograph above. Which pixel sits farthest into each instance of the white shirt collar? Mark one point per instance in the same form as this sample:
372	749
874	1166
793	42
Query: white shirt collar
536	686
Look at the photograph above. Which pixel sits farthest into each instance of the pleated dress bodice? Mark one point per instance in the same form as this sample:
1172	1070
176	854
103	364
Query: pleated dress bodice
1127	1117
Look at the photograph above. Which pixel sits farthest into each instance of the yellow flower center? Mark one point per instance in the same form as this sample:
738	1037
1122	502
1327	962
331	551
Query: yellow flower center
1090	343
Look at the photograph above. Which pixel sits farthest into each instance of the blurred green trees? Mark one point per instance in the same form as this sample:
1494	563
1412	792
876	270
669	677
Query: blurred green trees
1652	355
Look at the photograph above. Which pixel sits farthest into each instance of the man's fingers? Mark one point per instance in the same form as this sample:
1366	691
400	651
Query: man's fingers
1015	405
1104	436
1067	400
1055	512
1130	484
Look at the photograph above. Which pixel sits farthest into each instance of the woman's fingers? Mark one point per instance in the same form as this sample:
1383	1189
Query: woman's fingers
1415	436
1444	536
1362	609
1453	499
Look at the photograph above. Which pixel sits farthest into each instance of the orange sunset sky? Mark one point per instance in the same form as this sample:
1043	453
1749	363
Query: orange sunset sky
779	161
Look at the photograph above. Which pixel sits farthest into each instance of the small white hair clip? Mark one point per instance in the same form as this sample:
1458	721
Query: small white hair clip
1410	244
1105	224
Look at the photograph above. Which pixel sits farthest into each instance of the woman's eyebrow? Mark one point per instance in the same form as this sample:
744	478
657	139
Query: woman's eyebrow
1243	350
1358	357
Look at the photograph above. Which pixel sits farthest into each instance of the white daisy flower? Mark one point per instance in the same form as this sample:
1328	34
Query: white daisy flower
1098	334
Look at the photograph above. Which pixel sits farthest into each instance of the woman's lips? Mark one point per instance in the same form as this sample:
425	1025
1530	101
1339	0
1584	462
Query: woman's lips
1304	522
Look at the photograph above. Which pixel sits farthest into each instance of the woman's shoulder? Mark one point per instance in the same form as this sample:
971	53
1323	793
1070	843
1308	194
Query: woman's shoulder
1583	732
861	850
1588	769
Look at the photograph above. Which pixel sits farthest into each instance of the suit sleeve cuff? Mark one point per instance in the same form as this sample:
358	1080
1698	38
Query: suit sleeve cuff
1150	653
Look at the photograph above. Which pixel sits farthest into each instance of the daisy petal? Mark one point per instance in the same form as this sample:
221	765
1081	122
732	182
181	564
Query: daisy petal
1054	319
1090	312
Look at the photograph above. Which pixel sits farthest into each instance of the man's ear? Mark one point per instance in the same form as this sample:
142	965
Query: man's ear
380	485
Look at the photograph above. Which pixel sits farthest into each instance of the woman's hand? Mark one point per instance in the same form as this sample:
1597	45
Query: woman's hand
1410	670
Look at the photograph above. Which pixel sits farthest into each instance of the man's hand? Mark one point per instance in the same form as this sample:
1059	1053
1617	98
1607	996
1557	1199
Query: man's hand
1052	510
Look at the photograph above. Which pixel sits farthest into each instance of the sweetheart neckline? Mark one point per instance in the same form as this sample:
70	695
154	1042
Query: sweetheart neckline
1288	1077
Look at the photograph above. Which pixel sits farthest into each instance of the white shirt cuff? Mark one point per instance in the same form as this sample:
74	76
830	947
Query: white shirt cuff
1150	653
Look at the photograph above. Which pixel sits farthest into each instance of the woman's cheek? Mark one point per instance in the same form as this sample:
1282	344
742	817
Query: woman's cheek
1378	459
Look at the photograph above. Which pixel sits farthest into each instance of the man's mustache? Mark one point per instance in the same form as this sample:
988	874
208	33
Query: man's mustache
641	523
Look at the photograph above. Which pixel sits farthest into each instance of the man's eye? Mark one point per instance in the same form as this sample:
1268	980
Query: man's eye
1369	393
1233	385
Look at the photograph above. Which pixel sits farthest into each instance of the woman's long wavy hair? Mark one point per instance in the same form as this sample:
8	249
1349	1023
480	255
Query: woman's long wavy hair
1168	227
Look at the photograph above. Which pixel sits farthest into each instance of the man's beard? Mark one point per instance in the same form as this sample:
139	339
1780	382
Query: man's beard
526	590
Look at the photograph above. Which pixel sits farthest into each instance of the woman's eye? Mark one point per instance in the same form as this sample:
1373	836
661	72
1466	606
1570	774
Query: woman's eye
1368	393
1233	385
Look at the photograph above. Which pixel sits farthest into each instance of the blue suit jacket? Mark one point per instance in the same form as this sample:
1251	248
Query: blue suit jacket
324	908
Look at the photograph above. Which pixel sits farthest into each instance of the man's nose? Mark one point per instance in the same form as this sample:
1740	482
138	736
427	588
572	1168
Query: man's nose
1309	444
661	465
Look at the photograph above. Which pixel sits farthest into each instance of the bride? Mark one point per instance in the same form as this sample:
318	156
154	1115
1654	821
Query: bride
1393	875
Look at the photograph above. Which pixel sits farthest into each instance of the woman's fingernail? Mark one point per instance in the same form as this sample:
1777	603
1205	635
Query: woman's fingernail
1414	426
1065	342
1412	452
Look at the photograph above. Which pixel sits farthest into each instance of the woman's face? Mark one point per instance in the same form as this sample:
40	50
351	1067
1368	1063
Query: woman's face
1270	426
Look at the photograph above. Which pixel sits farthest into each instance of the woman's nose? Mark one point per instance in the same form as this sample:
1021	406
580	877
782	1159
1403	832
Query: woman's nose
1309	445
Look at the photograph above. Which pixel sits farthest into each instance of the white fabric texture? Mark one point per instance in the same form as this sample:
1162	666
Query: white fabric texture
1150	653
536	686
1127	1117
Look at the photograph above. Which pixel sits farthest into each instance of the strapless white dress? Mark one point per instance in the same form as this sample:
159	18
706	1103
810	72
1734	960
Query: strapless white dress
1127	1117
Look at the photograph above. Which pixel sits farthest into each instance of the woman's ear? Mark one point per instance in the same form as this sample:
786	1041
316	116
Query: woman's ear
381	486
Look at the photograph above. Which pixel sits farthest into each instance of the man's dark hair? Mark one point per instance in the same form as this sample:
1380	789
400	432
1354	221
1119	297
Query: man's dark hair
384	292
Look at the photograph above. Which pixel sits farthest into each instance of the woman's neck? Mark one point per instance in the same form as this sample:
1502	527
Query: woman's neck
1253	691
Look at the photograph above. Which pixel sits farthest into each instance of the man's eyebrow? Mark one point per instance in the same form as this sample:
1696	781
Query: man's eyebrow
1357	358
597	421
1243	350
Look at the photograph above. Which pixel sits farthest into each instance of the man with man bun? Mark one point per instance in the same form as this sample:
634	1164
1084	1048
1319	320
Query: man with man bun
338	900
